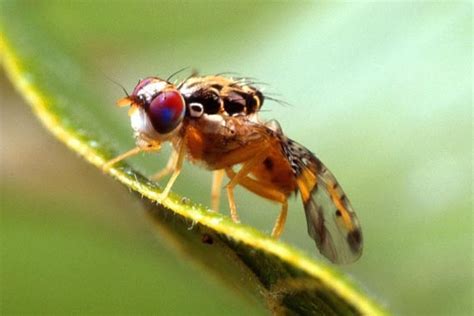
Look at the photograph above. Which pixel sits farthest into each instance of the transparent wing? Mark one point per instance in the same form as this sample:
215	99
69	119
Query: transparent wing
332	222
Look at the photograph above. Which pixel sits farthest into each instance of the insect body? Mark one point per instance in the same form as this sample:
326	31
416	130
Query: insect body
213	121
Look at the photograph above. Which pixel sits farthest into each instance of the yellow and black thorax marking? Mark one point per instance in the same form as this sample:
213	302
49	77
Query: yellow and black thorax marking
221	95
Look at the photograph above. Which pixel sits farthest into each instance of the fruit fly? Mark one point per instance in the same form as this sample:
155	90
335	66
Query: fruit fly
213	121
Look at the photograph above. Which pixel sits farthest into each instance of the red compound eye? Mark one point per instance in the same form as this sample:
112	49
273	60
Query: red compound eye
166	111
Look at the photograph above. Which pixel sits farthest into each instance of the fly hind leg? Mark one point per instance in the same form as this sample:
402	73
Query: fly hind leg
266	191
237	177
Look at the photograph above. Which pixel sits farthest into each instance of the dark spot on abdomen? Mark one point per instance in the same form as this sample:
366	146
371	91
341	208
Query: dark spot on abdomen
268	163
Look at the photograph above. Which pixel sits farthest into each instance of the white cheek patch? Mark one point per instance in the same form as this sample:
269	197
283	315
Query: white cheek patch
141	123
145	133
151	90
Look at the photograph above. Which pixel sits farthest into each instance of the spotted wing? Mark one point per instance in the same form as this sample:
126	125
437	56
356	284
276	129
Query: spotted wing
332	222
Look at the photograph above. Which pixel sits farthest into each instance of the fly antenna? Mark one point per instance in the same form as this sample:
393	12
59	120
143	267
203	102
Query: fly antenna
117	83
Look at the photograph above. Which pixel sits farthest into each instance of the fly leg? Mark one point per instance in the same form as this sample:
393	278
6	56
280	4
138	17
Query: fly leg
269	192
169	166
132	152
237	177
176	169
217	177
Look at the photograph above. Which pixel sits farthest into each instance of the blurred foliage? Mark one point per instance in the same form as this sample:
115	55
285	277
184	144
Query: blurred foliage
381	92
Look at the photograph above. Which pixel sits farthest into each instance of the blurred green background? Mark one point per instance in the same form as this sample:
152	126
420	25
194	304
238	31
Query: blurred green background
381	92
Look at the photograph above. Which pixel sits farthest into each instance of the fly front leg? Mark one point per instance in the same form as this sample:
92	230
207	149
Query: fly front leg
132	152
176	169
170	165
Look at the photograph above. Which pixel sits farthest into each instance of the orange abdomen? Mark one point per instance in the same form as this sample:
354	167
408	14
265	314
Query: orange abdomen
276	170
218	151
